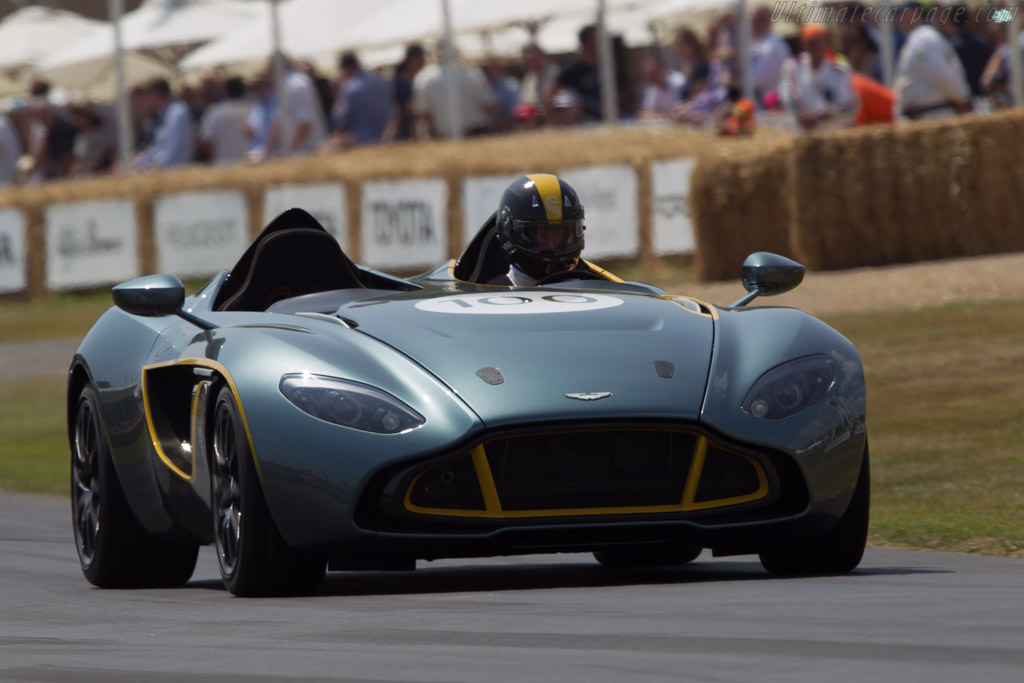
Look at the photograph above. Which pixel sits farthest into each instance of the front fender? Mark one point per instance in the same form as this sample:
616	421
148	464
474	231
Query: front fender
312	471
826	440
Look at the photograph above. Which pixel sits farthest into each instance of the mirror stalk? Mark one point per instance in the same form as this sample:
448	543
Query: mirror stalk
747	298
195	320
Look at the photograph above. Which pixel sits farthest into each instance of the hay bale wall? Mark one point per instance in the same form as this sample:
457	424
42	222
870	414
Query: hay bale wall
882	195
738	201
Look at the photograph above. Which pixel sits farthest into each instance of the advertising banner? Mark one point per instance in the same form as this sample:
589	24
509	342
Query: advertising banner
326	201
609	199
13	254
672	227
91	243
404	223
200	233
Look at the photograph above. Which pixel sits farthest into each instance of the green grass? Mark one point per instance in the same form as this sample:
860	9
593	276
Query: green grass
945	397
34	453
61	315
945	407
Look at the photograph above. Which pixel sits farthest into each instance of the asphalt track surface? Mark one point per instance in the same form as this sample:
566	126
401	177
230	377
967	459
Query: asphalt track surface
903	616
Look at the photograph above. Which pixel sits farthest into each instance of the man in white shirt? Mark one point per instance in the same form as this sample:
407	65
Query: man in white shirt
305	124
10	150
476	100
768	53
663	90
816	87
223	129
930	79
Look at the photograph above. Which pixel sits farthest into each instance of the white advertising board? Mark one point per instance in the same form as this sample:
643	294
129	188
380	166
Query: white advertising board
199	233
91	243
480	197
13	254
670	219
326	201
404	223
609	199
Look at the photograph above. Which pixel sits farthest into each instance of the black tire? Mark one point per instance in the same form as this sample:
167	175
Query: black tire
253	558
113	549
842	548
647	557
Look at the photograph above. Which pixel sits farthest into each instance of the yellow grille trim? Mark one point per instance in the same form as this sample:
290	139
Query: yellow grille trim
687	504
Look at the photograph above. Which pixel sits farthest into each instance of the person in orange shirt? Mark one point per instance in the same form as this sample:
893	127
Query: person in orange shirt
876	101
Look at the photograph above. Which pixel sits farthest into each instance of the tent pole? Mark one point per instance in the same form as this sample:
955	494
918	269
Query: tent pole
746	58
606	67
125	134
888	51
283	127
449	64
1016	59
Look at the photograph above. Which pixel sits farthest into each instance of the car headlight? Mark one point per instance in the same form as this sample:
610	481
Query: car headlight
349	404
791	387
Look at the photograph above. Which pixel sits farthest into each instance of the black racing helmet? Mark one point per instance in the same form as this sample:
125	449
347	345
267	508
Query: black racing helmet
540	225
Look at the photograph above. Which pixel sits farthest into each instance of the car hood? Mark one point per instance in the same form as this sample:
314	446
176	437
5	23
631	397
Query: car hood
558	355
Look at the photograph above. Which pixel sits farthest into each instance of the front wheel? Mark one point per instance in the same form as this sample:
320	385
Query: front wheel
842	548
113	549
254	559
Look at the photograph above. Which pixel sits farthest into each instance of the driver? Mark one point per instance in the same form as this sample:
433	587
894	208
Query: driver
540	228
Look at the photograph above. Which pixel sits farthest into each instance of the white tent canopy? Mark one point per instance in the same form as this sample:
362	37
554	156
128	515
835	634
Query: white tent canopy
161	28
29	34
378	30
304	25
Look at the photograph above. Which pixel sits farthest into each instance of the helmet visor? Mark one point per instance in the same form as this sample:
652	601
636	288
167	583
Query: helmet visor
555	238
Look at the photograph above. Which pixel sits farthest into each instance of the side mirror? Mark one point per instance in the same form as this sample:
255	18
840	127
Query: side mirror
156	295
150	296
766	274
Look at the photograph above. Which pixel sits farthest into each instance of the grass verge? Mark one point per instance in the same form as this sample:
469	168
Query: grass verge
945	390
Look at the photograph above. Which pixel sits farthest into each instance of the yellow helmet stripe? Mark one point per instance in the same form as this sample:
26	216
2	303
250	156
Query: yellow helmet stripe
550	191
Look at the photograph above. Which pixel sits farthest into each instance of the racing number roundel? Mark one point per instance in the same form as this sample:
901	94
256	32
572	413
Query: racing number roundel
518	303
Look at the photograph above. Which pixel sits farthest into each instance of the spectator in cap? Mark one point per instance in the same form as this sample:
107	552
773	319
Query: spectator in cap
173	142
400	123
816	87
365	103
930	80
223	131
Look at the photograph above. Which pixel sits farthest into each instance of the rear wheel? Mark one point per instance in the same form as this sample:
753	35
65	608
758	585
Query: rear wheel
254	559
842	548
113	550
647	557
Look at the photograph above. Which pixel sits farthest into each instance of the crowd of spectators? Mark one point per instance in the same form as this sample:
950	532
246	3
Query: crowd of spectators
827	76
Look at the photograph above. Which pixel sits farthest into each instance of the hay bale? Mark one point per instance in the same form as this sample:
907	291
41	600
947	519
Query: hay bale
925	191
737	200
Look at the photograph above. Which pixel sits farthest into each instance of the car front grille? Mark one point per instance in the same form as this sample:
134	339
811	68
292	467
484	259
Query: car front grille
586	473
